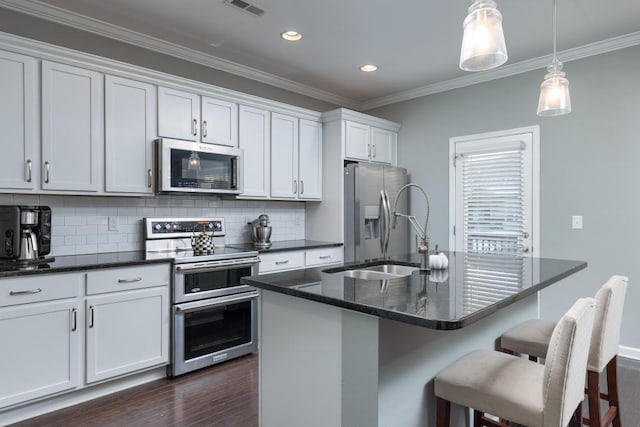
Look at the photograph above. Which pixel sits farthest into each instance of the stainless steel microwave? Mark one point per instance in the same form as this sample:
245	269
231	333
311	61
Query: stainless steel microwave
192	167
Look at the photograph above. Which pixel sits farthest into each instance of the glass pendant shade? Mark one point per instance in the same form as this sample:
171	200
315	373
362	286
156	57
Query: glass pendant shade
554	93
194	161
483	46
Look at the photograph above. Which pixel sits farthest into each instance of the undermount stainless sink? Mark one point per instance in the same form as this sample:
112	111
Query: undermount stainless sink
379	272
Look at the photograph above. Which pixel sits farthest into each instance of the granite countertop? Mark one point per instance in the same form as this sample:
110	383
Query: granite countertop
287	245
85	262
473	287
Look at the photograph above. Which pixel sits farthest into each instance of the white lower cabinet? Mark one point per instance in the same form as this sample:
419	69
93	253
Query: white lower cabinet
292	260
126	332
40	337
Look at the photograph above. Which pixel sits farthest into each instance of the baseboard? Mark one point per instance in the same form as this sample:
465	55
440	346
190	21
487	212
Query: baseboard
629	352
21	413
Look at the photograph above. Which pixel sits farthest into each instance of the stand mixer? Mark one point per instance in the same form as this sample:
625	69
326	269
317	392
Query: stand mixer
261	232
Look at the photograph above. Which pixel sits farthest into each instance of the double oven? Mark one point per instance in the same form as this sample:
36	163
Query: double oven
214	317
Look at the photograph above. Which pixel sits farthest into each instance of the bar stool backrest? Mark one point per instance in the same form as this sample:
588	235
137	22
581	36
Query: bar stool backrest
608	321
566	363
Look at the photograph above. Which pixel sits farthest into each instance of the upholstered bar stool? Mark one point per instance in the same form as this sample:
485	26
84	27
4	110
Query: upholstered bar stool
532	337
519	390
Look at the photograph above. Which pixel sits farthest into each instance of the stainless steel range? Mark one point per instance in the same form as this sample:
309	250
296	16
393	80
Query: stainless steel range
214	316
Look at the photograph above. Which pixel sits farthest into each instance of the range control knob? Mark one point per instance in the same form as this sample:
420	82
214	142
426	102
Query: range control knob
167	227
157	227
209	226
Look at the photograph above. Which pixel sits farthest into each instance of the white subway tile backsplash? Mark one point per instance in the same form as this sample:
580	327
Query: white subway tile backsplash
80	223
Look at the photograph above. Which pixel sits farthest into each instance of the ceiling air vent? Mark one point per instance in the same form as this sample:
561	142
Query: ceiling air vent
246	7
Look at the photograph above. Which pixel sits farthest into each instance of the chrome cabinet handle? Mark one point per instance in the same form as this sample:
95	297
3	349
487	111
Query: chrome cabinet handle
91	316
525	250
368	150
282	262
194	128
149	178
204	128
74	320
374	151
301	187
29	170
295	186
132	280
47	171
28	292
325	257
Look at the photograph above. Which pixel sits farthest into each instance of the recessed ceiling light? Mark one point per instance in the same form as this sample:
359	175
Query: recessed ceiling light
292	36
368	68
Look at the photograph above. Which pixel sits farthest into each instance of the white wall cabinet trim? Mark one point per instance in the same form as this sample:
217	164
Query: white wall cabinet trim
178	114
284	156
72	128
130	128
254	139
219	122
310	160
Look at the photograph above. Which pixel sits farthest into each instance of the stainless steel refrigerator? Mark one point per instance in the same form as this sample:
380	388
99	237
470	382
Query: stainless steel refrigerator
369	196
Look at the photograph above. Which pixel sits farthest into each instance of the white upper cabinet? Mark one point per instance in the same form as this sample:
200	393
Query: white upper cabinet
255	141
184	115
178	114
310	163
19	121
382	143
364	142
284	156
130	128
358	141
72	128
219	122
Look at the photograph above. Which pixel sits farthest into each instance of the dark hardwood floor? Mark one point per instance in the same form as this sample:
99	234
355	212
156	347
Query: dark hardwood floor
226	395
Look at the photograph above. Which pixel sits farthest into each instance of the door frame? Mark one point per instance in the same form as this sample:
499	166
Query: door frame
535	180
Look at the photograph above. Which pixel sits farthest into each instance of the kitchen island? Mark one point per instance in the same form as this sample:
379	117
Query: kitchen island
345	348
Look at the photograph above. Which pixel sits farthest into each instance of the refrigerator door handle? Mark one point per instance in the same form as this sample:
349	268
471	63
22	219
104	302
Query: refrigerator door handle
385	215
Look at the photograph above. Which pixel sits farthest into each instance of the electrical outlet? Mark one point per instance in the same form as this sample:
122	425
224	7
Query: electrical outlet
576	222
113	223
297	220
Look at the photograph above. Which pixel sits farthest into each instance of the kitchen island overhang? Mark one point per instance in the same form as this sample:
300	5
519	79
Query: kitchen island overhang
343	351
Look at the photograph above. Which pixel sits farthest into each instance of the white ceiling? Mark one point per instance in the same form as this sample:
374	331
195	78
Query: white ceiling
415	43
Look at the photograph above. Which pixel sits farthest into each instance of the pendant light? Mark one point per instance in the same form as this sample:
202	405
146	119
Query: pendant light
194	161
554	90
483	46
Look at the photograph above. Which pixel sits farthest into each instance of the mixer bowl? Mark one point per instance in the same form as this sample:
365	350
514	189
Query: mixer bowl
262	235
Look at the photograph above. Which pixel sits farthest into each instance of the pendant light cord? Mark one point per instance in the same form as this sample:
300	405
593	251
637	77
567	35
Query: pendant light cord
553	23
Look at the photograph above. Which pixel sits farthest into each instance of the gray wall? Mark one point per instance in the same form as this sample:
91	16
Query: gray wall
60	35
588	164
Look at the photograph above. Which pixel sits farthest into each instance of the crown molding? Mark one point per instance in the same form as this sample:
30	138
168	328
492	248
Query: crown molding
585	51
101	28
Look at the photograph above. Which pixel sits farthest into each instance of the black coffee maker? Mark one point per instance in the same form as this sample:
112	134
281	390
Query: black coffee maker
25	234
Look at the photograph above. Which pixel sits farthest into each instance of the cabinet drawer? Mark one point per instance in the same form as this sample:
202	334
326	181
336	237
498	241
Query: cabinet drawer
127	278
287	260
41	287
323	256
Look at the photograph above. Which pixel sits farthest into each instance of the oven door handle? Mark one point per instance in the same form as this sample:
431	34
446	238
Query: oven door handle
191	307
217	265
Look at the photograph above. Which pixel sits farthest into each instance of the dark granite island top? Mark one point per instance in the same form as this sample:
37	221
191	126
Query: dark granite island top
473	287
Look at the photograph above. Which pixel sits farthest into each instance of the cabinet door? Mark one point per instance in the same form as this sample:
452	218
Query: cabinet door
357	141
382	144
126	332
178	114
19	121
284	156
310	164
72	128
130	126
40	350
219	122
255	140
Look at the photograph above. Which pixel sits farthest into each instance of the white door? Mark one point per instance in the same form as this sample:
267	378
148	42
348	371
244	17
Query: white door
494	192
130	128
178	114
72	128
255	141
310	160
40	350
284	156
126	332
19	121
357	141
219	122
381	145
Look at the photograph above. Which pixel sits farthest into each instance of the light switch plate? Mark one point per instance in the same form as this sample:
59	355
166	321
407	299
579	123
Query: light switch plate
576	222
113	223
